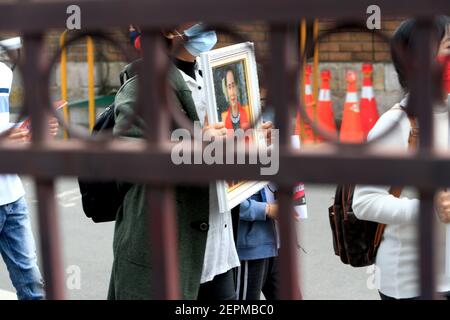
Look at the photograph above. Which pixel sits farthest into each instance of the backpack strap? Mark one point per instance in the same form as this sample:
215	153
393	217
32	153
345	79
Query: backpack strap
413	134
414	131
129	71
397	191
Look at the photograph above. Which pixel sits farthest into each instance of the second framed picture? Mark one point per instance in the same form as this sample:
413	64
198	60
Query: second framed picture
232	91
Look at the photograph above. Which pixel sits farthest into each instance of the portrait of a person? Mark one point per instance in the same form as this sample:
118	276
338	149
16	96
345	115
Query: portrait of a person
236	116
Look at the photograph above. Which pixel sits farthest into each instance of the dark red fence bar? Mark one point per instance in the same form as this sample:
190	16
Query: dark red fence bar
101	14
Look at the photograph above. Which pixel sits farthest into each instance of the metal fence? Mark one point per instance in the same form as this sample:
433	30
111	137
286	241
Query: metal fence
149	161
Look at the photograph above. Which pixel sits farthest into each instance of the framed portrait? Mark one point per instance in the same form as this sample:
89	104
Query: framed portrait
232	93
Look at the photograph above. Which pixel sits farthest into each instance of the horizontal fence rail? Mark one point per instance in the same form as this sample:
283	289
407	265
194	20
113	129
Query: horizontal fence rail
330	166
103	14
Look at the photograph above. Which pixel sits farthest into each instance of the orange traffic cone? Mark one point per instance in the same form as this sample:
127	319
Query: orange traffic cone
325	114
369	111
351	129
302	127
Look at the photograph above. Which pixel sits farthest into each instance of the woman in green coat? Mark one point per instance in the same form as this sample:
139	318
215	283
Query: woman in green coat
132	276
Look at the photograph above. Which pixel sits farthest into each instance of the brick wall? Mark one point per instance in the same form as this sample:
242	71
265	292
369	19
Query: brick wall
258	33
337	47
76	52
355	46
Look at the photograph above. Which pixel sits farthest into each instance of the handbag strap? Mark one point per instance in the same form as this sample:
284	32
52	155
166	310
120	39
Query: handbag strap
346	197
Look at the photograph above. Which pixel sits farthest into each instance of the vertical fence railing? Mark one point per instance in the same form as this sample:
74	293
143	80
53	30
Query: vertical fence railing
36	98
282	98
46	160
423	96
160	198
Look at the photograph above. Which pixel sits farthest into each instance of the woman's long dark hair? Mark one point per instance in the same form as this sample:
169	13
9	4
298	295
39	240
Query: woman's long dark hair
403	38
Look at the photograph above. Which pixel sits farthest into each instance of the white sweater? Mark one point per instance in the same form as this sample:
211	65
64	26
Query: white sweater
397	260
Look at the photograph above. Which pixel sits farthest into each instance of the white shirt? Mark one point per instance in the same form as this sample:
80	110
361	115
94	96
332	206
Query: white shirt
397	261
220	253
11	188
198	93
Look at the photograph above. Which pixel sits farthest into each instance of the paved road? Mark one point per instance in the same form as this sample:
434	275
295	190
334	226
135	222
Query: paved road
87	251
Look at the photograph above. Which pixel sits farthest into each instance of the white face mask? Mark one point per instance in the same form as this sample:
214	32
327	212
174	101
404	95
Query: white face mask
197	40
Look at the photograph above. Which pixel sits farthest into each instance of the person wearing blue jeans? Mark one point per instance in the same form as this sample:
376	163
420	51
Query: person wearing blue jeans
18	250
17	245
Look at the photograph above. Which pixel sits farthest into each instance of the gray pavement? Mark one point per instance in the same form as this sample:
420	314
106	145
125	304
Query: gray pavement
87	250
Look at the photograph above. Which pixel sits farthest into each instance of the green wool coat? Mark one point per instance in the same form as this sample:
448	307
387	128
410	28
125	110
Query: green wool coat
132	272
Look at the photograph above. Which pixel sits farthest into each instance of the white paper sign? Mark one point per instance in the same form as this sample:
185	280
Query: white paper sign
299	191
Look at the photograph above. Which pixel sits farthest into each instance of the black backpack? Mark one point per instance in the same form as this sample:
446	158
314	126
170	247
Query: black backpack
102	200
